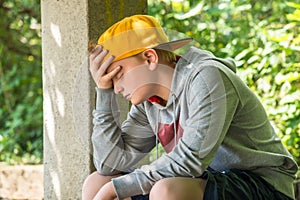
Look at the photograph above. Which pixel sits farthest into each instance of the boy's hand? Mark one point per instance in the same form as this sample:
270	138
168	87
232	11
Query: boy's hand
98	68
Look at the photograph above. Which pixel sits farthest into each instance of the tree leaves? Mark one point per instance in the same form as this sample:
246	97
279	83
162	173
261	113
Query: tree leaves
263	38
20	82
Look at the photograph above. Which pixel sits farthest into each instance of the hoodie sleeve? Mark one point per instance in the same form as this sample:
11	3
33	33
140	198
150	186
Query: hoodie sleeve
117	149
210	100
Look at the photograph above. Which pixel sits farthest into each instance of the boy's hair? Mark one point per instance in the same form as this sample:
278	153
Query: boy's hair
167	56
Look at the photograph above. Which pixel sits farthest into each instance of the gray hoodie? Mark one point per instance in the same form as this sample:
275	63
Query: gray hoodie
211	119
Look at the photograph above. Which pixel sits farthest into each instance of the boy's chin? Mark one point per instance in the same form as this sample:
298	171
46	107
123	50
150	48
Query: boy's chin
136	101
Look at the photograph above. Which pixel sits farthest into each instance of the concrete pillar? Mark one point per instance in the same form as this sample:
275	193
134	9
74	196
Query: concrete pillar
67	28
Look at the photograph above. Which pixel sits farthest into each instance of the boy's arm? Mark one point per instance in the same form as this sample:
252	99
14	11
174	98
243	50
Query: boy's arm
116	151
210	112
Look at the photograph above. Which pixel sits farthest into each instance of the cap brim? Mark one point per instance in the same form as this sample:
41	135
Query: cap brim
173	45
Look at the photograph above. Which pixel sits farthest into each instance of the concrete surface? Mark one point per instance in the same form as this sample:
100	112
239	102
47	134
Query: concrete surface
21	182
67	28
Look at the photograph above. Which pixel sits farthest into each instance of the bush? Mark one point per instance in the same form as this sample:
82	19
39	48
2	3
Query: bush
21	126
262	36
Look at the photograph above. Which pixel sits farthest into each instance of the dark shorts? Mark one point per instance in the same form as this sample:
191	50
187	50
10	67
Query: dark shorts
234	185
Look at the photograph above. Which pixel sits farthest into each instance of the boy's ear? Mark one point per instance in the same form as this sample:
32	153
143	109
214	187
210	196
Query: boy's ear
151	57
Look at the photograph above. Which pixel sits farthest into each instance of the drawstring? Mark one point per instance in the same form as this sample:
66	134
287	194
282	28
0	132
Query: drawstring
174	118
156	138
156	146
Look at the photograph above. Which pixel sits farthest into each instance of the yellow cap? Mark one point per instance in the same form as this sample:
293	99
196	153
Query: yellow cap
134	34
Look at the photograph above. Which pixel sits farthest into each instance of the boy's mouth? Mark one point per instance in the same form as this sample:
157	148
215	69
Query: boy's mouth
127	96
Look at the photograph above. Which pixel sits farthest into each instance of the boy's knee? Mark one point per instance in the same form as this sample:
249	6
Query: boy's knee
178	188
93	183
162	189
91	178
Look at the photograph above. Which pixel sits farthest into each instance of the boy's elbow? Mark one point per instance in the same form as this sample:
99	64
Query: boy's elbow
105	170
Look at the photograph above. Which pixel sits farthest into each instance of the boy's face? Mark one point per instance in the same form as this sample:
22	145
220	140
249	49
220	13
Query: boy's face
133	79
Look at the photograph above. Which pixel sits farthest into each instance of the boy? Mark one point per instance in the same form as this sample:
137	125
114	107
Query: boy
219	143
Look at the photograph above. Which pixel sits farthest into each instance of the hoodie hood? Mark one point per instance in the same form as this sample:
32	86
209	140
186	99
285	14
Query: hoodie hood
188	65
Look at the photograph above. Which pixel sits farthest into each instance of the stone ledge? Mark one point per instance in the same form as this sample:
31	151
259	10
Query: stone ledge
26	182
21	182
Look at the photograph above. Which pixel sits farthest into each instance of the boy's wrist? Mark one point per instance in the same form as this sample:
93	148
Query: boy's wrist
105	99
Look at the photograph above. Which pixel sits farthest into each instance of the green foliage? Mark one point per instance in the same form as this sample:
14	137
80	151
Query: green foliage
20	82
262	36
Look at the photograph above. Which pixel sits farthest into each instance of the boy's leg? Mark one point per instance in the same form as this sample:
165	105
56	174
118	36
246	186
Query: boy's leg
178	188
235	184
93	183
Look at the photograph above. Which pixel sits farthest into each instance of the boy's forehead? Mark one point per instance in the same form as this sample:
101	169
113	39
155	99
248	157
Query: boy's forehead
123	62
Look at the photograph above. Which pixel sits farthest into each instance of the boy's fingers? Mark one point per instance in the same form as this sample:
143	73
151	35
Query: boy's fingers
105	65
100	56
119	75
95	52
96	62
114	72
99	68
